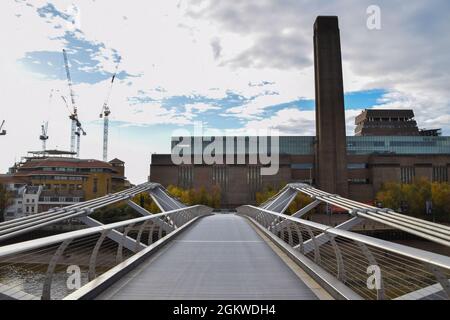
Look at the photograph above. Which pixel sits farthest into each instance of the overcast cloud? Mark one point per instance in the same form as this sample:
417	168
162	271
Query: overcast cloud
232	64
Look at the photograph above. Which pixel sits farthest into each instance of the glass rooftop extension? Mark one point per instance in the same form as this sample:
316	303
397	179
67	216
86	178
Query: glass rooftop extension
357	145
398	145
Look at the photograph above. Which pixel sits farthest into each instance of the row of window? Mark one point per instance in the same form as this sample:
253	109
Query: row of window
220	176
440	174
398	144
254	180
358	181
309	166
69	178
60	199
372	119
65	169
185	176
63	186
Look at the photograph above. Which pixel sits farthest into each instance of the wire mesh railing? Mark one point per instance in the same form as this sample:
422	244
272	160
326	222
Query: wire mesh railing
56	266
370	267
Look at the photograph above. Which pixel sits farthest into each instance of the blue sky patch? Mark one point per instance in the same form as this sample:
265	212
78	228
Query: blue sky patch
363	99
84	67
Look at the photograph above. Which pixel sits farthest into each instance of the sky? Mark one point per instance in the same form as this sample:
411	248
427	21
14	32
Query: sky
235	66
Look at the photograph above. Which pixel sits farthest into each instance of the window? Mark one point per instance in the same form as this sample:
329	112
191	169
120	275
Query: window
32	209
356	166
440	174
358	181
304	166
28	209
95	186
185	176
254	180
407	174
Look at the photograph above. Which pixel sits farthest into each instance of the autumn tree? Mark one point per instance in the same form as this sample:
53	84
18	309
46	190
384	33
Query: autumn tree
300	201
412	198
5	201
199	196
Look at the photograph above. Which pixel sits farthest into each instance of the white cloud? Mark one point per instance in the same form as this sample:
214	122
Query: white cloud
210	48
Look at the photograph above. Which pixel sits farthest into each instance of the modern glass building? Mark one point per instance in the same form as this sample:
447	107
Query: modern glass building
304	145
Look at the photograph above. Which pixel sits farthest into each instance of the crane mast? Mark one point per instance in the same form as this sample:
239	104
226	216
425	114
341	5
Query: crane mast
75	129
44	137
78	133
105	115
2	132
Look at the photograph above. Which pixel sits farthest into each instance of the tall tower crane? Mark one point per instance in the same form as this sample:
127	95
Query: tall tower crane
106	111
44	137
2	131
76	129
78	133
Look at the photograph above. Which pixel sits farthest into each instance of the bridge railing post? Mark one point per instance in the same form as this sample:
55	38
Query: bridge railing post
46	289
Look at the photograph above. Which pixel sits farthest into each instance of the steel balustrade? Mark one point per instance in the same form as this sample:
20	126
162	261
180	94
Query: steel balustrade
428	230
88	249
32	222
347	256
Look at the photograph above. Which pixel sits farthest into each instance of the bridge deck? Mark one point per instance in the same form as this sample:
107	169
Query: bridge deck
219	257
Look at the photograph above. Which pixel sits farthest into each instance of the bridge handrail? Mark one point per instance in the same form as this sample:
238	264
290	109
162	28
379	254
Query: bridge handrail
88	248
350	257
425	229
19	226
418	254
38	243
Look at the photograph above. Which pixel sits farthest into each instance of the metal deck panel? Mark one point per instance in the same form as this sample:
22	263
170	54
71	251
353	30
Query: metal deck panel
219	257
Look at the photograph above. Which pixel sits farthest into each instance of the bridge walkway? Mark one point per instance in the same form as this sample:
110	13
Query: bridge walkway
219	257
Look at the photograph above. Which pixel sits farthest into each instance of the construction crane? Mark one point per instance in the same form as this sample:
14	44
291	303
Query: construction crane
79	131
106	111
2	131
75	130
44	137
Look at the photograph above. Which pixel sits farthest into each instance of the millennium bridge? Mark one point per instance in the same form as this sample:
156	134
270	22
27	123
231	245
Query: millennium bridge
192	252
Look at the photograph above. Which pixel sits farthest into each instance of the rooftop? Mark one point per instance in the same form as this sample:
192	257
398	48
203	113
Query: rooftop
64	162
407	114
115	160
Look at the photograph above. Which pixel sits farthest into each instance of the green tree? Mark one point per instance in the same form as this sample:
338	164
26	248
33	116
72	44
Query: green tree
193	196
299	201
440	193
415	196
